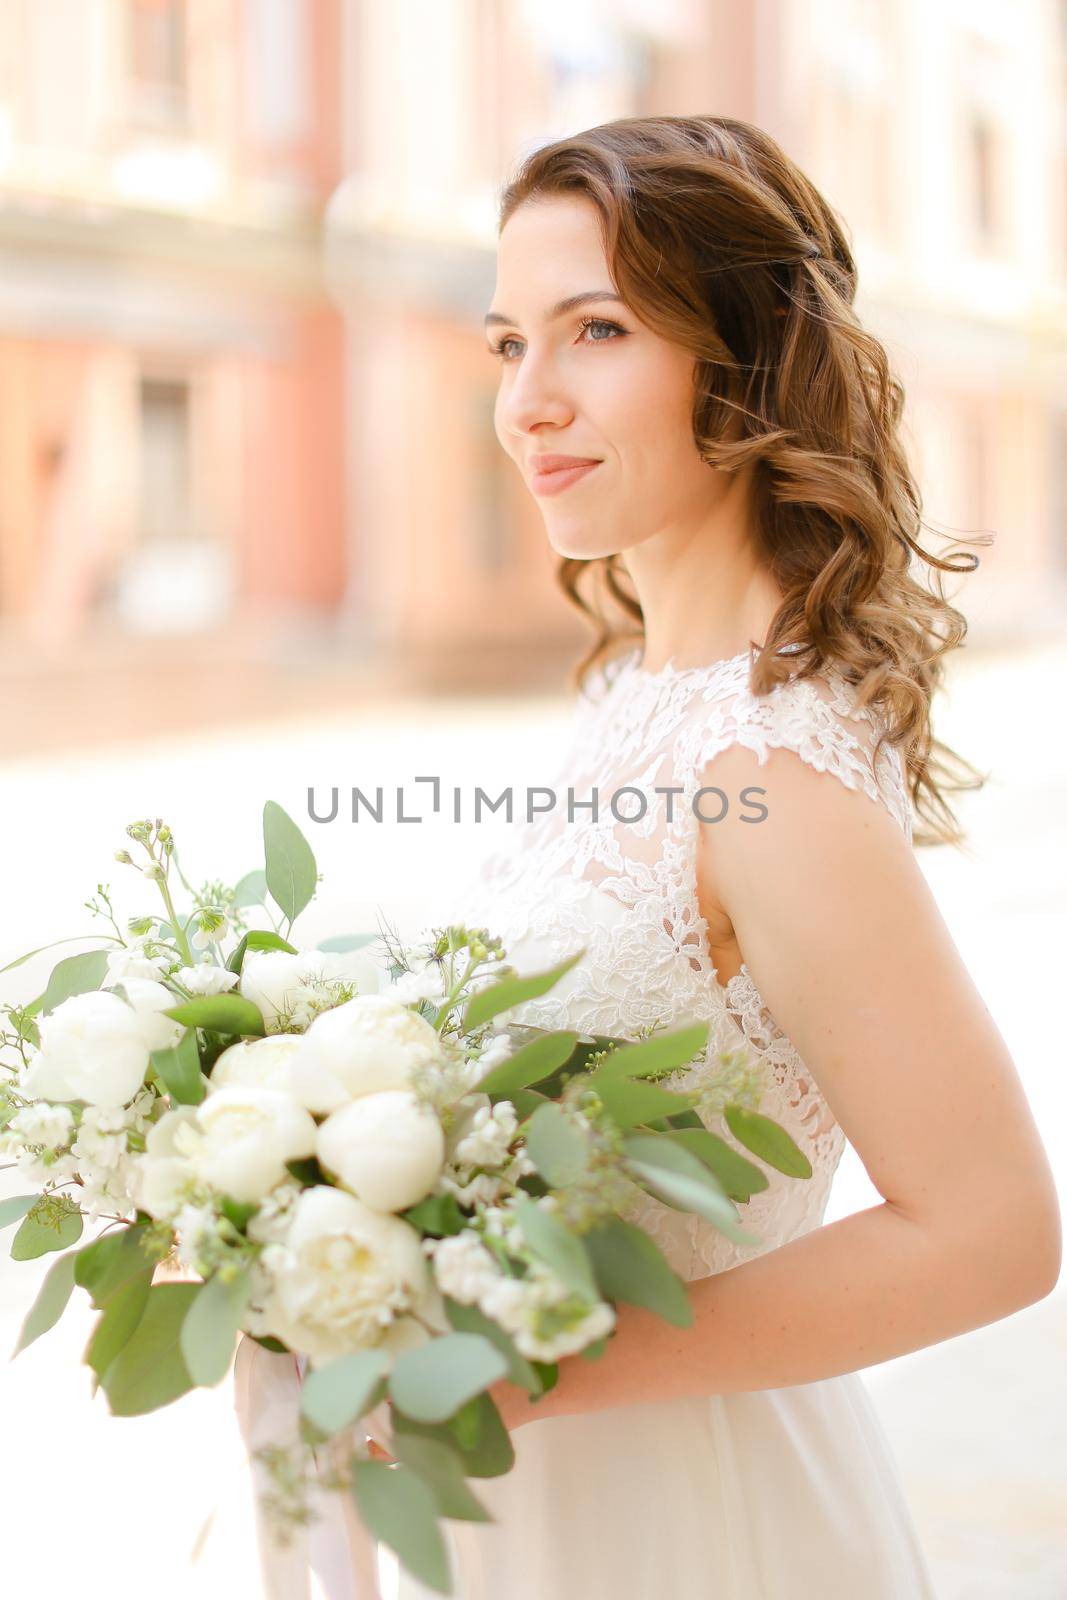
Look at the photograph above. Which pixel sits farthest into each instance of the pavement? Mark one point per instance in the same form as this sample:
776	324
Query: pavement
95	1504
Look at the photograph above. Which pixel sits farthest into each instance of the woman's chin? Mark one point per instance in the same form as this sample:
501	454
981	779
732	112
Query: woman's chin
581	544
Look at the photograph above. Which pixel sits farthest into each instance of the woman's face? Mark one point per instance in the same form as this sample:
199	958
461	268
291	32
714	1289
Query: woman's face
590	381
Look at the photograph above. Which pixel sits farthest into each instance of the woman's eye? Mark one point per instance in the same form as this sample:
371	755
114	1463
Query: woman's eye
500	348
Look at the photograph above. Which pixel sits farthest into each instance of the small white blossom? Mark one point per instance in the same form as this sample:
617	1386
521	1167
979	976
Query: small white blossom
43	1124
207	979
464	1268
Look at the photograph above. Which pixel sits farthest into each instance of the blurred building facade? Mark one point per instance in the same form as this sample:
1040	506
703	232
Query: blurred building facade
247	246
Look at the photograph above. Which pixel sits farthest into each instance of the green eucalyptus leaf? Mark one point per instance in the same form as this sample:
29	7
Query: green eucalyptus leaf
676	1176
336	1395
739	1178
209	1331
74	975
258	939
252	889
476	1433
396	1507
291	873
441	1470
555	1146
112	1261
149	1370
630	1266
75	938
438	1214
768	1140
14	1209
342	942
52	1223
432	1380
507	992
560	1249
529	1064
222	1013
118	1322
664	1052
51	1301
178	1069
472	1319
630	1101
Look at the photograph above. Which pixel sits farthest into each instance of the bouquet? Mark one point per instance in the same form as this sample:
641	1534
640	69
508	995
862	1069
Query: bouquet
348	1153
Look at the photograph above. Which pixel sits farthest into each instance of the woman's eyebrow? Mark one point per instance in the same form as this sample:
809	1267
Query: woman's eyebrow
559	309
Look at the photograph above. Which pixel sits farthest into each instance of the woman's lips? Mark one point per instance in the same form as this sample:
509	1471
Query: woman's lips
562	478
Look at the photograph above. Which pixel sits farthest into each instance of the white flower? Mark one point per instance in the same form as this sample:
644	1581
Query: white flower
207	978
211	928
43	1124
244	1137
268	1063
498	1050
465	1270
193	1224
387	1148
546	1320
367	1044
93	1048
291	989
164	1175
133	961
149	1000
492	1131
342	1275
425	983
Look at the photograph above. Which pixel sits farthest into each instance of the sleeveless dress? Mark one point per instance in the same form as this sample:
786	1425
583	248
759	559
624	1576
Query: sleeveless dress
782	1494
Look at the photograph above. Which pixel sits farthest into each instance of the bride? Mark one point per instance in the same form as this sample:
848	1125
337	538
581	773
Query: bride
713	440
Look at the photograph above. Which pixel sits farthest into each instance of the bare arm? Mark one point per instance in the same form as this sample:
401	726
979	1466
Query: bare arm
847	947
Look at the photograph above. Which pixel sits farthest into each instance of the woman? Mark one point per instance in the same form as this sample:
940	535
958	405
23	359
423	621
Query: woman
709	433
673	313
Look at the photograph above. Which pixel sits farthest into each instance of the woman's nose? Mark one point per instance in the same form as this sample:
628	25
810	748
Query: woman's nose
533	398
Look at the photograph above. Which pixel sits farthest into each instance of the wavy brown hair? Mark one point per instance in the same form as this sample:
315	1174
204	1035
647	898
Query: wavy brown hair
720	244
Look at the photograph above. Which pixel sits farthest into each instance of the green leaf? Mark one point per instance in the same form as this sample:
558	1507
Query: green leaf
52	1223
677	1177
335	1396
16	1208
740	1179
440	1469
472	1319
476	1433
258	939
211	1325
397	1508
556	1245
529	1064
439	1214
342	942
118	1323
290	864
107	1264
431	1381
51	1301
508	992
630	1101
252	889
555	1145
630	1266
74	975
178	1069
224	1013
664	1052
149	1371
75	938
767	1140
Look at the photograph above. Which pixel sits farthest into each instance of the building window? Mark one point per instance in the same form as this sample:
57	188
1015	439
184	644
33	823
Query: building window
157	65
166	474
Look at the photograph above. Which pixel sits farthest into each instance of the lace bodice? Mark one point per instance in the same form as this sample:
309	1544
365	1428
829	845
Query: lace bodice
625	891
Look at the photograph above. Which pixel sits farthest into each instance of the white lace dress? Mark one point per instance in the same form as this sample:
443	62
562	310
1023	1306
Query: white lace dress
783	1494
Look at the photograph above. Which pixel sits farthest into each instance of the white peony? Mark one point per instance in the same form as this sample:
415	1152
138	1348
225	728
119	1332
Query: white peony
268	1063
387	1148
245	1136
291	989
93	1047
164	1174
207	979
149	1000
367	1044
342	1276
